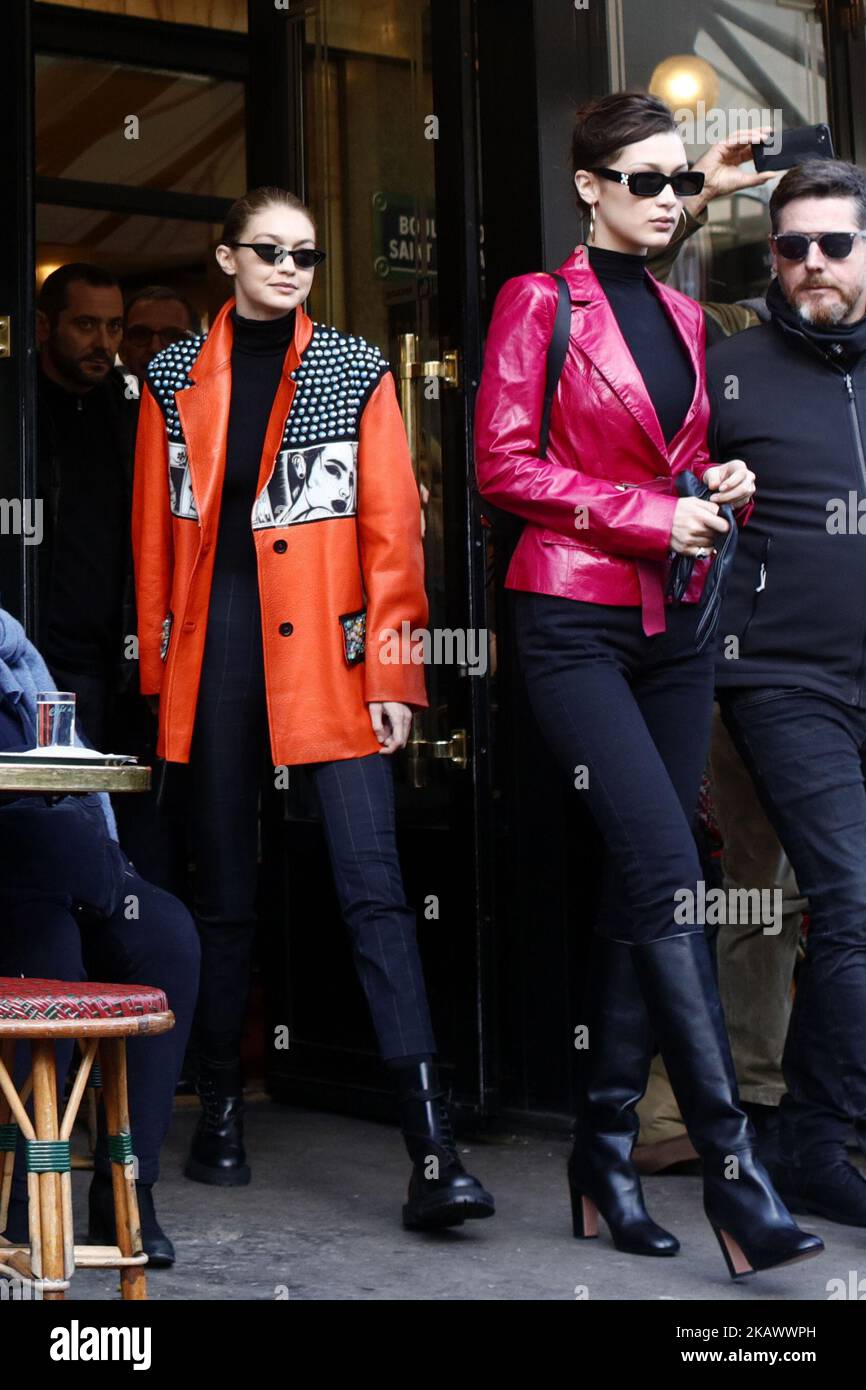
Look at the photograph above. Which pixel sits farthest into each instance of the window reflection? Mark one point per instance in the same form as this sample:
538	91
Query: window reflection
734	56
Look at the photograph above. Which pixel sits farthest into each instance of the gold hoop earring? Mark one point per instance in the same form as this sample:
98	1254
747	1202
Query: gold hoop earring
591	237
684	216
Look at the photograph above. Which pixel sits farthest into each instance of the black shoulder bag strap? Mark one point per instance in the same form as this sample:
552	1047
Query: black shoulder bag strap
556	354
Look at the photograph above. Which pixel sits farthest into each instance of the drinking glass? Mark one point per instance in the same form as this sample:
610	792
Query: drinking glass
55	718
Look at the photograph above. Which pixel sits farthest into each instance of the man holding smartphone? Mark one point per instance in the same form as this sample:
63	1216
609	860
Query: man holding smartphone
789	396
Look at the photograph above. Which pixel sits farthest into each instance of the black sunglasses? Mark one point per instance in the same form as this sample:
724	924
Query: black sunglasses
794	246
304	258
647	183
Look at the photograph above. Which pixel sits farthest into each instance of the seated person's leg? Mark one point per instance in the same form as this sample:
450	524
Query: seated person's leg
150	939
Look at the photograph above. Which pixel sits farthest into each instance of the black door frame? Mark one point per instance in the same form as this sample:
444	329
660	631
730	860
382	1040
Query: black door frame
17	279
458	174
844	23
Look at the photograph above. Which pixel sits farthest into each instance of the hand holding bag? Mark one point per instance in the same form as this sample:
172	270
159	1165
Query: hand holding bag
689	485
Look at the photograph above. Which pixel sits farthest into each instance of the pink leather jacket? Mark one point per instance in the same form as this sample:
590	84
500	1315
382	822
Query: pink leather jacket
600	506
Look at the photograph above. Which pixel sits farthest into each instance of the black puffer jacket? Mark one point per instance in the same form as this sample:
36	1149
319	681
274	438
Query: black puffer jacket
791	401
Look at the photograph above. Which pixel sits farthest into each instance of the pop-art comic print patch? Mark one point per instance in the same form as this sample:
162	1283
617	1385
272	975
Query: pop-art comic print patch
317	483
181	496
354	627
165	635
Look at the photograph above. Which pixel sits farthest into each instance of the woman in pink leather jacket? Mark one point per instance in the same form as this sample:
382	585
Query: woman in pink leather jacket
617	682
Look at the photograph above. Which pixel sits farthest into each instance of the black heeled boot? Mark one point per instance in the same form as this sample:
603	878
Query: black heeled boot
601	1177
217	1154
441	1192
752	1225
102	1228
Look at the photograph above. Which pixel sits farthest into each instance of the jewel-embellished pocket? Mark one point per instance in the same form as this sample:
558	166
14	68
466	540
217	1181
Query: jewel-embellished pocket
354	627
166	634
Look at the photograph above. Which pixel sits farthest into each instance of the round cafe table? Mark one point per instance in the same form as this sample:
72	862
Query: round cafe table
62	779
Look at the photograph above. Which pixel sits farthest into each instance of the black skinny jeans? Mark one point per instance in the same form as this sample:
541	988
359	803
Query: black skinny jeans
230	755
635	712
807	757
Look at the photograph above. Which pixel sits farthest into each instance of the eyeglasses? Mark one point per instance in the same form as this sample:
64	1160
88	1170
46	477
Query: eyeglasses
304	258
647	183
140	335
794	246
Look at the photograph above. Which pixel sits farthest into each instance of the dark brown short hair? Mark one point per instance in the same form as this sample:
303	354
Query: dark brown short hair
53	297
820	178
246	207
165	294
605	125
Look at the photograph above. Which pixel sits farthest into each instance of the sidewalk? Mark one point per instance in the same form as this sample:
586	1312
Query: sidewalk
321	1220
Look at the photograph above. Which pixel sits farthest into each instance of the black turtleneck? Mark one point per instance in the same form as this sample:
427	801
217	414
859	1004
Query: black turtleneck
258	352
653	341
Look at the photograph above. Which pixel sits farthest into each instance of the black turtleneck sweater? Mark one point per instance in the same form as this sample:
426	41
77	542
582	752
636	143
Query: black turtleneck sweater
258	352
651	338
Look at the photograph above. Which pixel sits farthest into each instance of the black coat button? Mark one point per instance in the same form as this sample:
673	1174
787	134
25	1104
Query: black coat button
286	629
281	546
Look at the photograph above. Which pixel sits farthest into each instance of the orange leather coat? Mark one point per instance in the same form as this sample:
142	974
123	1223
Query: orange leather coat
336	525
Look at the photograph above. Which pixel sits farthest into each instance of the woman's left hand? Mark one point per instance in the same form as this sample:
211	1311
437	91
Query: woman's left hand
392	724
720	165
732	483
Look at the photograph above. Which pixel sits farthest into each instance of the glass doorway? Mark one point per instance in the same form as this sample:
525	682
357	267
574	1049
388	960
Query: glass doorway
375	164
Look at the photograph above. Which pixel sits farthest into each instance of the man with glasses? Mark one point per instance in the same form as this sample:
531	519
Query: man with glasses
789	397
156	317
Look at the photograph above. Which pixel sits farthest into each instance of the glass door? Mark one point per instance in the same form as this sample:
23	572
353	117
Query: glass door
720	64
385	172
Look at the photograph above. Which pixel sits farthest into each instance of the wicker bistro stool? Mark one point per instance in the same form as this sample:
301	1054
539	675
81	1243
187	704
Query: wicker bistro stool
100	1017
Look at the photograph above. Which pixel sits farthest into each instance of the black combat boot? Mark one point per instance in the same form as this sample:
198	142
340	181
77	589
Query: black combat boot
217	1154
441	1192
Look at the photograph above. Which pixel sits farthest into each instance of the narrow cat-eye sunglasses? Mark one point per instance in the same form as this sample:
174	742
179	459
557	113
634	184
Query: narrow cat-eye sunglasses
304	258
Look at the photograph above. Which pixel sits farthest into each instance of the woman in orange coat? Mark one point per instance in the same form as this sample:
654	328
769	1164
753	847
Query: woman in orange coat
277	547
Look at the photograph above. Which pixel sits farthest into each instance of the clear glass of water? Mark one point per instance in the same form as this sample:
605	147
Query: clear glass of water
55	718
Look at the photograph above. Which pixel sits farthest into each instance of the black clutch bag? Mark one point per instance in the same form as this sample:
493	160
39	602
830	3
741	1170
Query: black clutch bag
682	566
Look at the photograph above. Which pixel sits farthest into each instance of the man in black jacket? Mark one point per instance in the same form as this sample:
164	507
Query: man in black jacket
86	624
789	396
85	438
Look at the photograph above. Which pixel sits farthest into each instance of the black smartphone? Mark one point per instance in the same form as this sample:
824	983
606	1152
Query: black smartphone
798	144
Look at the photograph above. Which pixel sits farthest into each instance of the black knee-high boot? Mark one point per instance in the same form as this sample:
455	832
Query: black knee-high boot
601	1176
754	1228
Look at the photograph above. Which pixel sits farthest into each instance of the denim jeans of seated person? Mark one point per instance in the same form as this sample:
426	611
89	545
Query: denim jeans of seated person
73	908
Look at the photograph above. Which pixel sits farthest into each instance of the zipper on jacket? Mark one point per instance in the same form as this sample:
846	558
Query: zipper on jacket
759	589
855	423
858	438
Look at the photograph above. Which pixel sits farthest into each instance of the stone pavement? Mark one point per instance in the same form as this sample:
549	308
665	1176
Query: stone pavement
321	1220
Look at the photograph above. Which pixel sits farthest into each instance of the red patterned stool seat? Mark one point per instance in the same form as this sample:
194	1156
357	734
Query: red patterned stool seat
100	1017
58	1007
